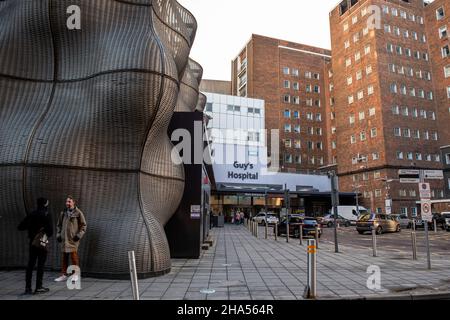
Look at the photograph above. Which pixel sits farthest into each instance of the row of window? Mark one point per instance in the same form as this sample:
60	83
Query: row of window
402	14
413	92
296	73
289	158
405	32
359	75
415	134
362	115
357	56
297	144
296	115
360	94
296	100
288	128
399	50
363	136
393	68
401	155
296	86
414	112
236	109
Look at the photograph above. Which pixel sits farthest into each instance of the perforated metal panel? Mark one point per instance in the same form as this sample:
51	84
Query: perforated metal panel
85	112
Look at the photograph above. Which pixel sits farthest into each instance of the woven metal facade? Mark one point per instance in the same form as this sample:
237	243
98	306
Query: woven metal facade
85	112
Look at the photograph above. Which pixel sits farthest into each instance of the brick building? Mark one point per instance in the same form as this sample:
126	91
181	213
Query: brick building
386	100
290	78
437	21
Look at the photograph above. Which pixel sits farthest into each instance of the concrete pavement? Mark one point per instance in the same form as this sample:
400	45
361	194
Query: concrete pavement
241	267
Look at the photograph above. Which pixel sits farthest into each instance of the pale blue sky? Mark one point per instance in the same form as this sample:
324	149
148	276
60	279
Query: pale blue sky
226	25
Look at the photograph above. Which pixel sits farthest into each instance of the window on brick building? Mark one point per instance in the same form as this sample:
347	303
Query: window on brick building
443	34
445	51
440	13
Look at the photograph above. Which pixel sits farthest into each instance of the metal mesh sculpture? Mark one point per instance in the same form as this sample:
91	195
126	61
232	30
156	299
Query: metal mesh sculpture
85	112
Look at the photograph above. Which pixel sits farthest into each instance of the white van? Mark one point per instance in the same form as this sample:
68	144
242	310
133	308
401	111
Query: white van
350	212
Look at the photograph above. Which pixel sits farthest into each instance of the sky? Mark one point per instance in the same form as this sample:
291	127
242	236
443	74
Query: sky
225	26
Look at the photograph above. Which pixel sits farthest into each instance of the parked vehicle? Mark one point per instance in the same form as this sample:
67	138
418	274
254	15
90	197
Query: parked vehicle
328	221
262	217
404	220
446	216
351	212
380	222
440	222
309	227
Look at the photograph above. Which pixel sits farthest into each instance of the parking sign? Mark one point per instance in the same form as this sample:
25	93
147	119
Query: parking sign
426	211
425	191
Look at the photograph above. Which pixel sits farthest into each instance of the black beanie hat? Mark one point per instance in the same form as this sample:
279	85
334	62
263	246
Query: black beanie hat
42	203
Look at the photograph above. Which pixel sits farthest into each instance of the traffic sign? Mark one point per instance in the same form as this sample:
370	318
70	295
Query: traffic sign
426	211
424	191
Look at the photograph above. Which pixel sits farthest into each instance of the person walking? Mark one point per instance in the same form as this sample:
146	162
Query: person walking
40	228
71	228
237	218
242	217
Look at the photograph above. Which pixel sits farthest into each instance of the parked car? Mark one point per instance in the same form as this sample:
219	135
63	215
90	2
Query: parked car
351	212
309	227
404	220
440	222
328	221
446	216
262	216
380	222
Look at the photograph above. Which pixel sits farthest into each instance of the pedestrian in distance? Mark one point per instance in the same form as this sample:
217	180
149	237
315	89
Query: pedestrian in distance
40	228
71	227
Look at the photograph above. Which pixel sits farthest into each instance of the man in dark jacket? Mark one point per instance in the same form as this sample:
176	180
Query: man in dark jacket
36	222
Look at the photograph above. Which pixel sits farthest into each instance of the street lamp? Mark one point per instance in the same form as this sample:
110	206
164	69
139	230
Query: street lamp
356	189
388	203
335	203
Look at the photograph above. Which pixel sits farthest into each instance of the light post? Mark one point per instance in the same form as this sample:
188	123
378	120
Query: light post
356	189
335	203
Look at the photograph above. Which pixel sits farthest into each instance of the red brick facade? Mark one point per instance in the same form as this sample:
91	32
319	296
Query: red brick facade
275	70
386	104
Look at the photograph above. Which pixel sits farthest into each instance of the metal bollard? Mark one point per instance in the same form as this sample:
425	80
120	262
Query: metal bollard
287	233
276	231
301	234
316	236
310	292
427	243
414	244
266	227
133	275
374	242
435	225
256	229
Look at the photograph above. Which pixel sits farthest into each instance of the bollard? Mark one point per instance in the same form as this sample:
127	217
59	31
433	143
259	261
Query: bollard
301	234
256	229
316	236
374	241
287	232
133	275
311	271
266	227
427	243
276	231
414	244
435	225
